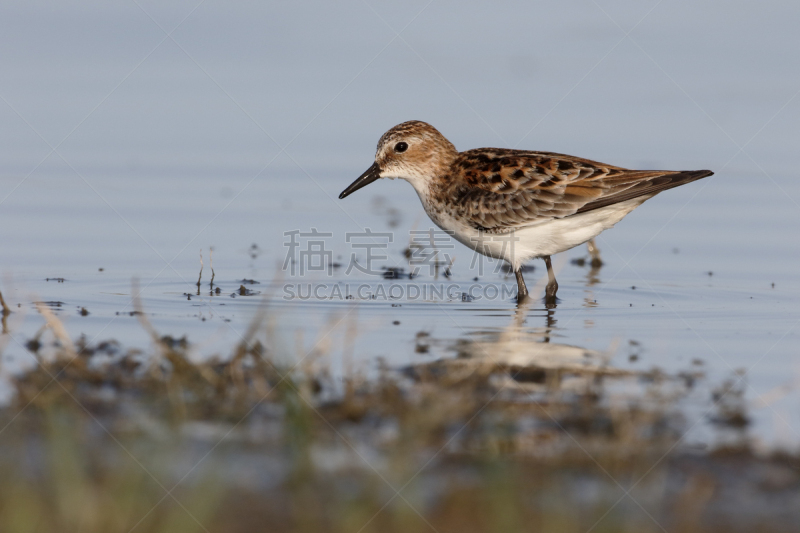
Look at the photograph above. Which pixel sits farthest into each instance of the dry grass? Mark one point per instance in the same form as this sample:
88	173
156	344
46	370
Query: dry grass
100	438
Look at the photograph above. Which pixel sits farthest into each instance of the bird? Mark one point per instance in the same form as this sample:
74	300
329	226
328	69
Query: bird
514	205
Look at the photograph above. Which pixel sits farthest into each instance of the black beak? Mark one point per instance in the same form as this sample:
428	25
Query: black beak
372	173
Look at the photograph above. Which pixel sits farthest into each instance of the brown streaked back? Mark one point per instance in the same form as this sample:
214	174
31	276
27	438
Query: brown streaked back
497	190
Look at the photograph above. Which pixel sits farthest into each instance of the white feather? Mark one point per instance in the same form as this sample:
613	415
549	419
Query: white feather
523	244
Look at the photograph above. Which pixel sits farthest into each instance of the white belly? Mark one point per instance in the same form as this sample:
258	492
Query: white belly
546	238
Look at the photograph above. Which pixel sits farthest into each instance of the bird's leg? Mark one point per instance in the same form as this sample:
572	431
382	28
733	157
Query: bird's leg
594	253
522	290
552	284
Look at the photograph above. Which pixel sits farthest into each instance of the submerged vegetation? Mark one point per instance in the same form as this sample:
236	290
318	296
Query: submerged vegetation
513	433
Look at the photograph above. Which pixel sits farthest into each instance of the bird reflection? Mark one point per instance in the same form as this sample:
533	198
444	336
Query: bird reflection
524	353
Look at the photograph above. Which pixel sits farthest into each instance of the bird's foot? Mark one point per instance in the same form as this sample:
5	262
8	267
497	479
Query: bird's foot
550	300
594	254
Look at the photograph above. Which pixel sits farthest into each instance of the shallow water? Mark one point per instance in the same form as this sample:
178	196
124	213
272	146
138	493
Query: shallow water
697	306
184	156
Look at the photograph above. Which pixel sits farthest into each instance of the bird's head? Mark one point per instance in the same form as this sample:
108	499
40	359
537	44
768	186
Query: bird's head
414	151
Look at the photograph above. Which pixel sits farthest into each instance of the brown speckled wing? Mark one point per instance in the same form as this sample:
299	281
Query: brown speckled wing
497	189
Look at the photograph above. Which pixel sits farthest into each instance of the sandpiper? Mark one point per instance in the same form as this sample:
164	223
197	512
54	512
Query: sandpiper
514	205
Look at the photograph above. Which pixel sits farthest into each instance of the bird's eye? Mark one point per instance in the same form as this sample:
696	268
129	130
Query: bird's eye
401	147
